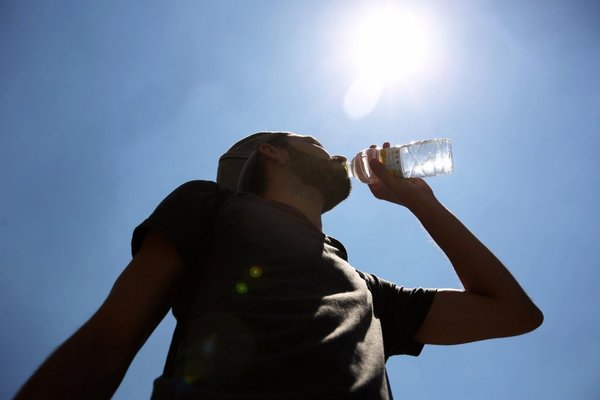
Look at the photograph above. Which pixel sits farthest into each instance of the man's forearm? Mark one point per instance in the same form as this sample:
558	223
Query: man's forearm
477	268
78	369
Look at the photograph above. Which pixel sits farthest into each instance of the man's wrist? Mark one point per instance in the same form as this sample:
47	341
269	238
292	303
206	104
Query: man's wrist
423	204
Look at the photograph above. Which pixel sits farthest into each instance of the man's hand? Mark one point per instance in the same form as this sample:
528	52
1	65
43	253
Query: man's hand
408	192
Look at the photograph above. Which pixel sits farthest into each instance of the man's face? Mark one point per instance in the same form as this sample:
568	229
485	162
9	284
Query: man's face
317	168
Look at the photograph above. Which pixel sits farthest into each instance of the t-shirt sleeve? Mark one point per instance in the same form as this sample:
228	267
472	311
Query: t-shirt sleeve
401	312
182	218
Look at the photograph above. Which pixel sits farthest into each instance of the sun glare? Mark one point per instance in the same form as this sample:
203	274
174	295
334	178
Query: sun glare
391	43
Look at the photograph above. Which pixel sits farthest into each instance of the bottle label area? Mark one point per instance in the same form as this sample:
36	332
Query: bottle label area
390	157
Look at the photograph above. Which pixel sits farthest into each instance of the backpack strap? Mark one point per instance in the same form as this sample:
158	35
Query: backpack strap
209	214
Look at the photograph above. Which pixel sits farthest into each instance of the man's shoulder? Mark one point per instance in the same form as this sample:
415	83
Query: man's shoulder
199	185
200	189
372	281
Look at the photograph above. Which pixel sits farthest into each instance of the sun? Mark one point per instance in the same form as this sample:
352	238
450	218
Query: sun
391	44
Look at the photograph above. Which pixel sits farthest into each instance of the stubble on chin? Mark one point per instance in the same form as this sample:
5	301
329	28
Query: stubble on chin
329	177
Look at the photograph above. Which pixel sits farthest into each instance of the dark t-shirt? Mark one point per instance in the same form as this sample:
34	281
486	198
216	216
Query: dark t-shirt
277	311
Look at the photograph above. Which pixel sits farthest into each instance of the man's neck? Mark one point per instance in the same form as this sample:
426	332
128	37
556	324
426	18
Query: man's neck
308	202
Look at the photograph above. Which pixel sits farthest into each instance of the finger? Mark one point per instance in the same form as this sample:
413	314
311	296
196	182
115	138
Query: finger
381	172
373	146
386	145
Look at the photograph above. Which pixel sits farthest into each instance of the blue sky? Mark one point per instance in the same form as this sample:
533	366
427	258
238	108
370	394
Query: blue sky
106	107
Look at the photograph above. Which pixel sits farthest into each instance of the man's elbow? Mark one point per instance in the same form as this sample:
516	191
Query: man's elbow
529	319
538	318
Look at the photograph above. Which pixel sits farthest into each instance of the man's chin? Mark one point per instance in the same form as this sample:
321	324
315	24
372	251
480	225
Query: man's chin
333	198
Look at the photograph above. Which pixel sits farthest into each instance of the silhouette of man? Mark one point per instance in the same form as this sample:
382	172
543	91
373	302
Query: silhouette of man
268	304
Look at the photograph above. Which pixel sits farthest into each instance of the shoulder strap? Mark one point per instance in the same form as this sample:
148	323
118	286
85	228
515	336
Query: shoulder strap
209	217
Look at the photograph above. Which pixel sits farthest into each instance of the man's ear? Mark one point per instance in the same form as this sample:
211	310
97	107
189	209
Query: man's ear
272	153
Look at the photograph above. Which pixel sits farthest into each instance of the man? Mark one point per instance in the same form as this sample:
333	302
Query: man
268	305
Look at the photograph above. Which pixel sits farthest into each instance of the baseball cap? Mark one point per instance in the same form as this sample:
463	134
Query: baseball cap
236	165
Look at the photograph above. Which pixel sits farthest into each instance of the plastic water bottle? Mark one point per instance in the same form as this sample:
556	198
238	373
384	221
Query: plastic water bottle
412	160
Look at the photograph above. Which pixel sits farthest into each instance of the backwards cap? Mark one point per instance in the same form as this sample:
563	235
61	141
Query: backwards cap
237	164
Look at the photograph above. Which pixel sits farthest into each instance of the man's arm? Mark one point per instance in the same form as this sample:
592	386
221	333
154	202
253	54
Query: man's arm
492	304
92	362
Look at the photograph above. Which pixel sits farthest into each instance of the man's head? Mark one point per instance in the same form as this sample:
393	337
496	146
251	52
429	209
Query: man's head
244	167
238	165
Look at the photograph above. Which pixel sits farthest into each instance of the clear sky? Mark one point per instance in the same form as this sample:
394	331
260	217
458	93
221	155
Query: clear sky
105	107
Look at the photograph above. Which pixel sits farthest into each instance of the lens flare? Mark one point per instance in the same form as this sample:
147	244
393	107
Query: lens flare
241	288
363	96
256	271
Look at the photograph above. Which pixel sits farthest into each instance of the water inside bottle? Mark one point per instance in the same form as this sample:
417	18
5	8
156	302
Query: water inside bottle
426	158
